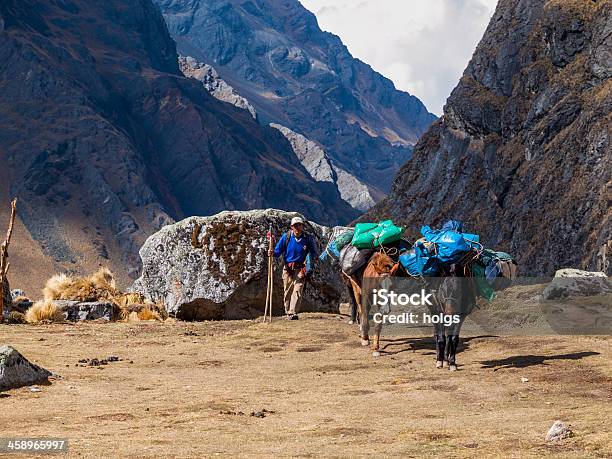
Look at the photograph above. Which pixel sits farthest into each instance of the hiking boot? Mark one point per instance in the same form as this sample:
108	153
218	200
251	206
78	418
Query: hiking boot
293	317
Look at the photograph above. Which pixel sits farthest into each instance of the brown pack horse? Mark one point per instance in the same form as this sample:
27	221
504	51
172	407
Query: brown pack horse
379	266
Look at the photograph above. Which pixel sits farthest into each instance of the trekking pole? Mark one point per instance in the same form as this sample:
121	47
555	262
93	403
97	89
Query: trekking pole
269	287
271	271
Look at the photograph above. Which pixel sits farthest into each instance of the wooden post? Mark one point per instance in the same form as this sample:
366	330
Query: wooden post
4	264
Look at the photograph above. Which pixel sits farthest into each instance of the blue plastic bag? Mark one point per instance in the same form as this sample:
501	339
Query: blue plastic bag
454	225
451	246
419	262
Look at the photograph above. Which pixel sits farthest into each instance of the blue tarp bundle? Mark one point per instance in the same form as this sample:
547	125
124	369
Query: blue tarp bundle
446	246
336	245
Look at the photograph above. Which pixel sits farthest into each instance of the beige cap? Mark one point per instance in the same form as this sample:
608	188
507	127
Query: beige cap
295	220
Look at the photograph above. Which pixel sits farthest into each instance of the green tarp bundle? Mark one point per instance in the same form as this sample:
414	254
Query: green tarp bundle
483	287
371	235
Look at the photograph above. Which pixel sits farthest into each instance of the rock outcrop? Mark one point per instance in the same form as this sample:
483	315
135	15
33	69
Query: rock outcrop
523	153
322	169
216	267
571	283
75	311
294	74
16	371
214	84
104	140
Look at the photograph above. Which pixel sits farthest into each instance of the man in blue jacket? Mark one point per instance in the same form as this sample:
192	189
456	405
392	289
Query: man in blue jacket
298	251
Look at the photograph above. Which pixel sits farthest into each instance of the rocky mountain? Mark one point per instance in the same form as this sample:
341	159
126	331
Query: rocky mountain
104	140
523	152
323	169
214	84
311	155
275	55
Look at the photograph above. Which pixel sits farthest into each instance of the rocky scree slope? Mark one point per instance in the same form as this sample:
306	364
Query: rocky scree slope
523	152
104	140
274	54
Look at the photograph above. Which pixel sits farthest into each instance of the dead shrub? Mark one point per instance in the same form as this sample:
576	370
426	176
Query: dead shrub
147	311
99	286
43	311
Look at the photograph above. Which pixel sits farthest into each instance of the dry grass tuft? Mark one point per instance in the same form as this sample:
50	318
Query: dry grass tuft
98	286
147	314
148	311
124	300
55	285
104	279
43	311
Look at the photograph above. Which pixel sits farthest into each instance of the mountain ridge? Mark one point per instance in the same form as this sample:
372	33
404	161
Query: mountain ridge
104	140
523	151
298	76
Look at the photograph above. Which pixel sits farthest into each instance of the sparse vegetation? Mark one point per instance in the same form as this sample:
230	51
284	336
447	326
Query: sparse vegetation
98	286
43	311
101	286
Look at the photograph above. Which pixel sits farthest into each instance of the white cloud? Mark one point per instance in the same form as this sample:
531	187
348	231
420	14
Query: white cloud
423	46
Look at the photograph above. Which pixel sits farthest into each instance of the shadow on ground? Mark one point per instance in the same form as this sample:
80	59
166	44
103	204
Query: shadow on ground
523	361
420	344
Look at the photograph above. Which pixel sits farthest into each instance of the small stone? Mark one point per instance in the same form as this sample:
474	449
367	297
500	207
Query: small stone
558	431
524	380
35	389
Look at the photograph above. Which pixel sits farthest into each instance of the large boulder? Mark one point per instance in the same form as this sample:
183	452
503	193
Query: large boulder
215	267
569	283
16	371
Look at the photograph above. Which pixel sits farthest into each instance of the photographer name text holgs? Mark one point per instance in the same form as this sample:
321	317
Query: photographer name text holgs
384	298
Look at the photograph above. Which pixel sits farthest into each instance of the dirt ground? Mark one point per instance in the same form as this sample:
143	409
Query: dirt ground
178	385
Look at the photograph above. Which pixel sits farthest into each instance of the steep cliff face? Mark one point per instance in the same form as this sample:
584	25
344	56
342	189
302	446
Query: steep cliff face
214	84
275	55
323	169
104	140
523	152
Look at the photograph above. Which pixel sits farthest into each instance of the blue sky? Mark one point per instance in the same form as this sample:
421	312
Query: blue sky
422	45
